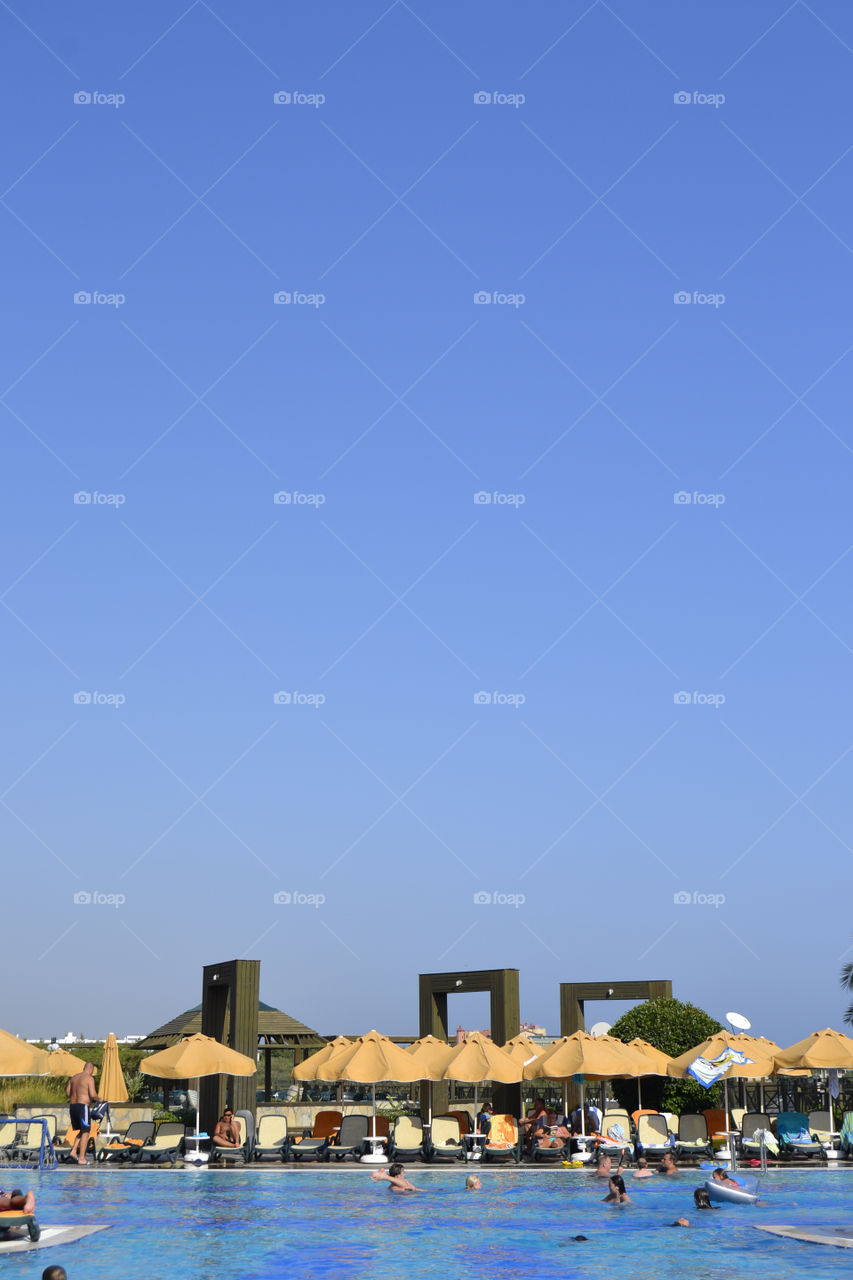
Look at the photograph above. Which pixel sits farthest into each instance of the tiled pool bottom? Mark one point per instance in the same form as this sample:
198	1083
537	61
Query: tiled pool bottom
201	1225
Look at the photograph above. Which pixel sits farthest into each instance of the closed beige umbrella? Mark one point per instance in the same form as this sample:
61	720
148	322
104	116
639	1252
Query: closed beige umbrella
112	1087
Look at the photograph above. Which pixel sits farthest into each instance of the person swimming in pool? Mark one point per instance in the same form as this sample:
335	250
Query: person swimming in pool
473	1183
702	1200
616	1191
667	1163
642	1170
396	1175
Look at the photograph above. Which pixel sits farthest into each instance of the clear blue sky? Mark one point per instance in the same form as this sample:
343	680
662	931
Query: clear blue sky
381	199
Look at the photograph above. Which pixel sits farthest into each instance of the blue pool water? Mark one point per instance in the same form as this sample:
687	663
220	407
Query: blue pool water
330	1225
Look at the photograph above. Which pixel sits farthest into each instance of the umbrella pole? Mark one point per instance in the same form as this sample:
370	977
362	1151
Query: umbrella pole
373	1100
197	1108
639	1094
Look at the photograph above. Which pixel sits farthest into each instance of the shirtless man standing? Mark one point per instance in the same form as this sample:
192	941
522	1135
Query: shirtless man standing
80	1093
226	1133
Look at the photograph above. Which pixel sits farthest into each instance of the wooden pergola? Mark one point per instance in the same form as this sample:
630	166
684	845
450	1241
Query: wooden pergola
276	1030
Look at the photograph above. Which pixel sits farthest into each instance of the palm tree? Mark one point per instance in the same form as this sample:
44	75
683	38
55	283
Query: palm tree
847	984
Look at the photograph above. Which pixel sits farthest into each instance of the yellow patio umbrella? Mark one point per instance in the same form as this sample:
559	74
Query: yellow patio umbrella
822	1050
310	1069
580	1054
522	1049
369	1060
431	1055
478	1059
760	1051
17	1058
194	1057
63	1063
112	1087
658	1063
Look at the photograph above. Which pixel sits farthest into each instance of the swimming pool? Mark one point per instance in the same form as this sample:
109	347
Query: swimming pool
258	1225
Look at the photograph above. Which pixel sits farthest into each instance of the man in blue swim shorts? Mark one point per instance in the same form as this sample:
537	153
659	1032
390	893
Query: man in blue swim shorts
81	1093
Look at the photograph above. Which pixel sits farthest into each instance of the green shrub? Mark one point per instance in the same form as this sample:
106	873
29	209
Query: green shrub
673	1027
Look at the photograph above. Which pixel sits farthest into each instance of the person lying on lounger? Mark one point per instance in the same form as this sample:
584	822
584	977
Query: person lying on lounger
396	1175
17	1200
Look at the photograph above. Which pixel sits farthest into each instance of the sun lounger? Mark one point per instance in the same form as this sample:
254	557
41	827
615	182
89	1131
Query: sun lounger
846	1136
466	1123
652	1134
407	1137
754	1123
503	1139
271	1142
349	1139
615	1138
820	1125
693	1141
794	1137
17	1218
121	1149
31	1144
445	1140
325	1125
166	1144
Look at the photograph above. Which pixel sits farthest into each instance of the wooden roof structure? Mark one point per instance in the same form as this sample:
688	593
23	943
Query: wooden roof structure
276	1030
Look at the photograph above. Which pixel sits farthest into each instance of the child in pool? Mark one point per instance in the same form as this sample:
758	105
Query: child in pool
396	1175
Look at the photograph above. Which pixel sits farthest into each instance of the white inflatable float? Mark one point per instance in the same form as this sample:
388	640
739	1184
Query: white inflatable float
746	1193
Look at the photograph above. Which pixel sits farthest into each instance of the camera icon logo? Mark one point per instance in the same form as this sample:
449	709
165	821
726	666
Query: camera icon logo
682	698
482	298
282	298
482	498
82	498
482	699
81	297
681	98
82	98
282	698
82	699
282	898
482	899
481	98
681	298
282	98
282	498
682	498
82	898
682	898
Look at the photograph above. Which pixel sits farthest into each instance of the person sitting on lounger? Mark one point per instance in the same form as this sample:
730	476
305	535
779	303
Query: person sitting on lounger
616	1193
667	1163
551	1133
642	1170
17	1200
227	1132
396	1175
721	1176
